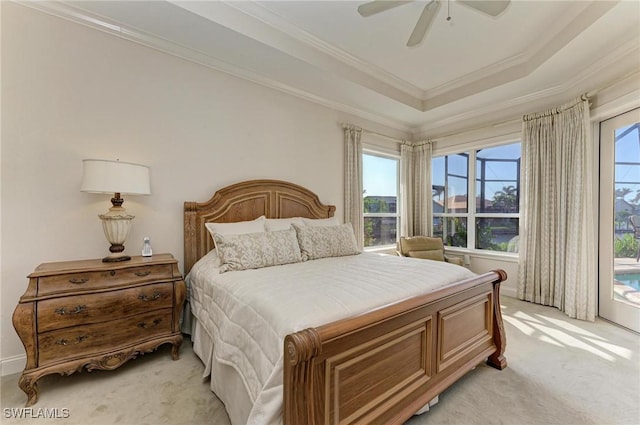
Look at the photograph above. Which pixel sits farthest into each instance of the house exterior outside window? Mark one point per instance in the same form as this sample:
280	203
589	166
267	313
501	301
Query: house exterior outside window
380	199
479	212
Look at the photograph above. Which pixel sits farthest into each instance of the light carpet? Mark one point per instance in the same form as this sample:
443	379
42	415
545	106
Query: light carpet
561	371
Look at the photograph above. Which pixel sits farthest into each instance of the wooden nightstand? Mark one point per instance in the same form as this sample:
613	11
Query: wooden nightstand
95	315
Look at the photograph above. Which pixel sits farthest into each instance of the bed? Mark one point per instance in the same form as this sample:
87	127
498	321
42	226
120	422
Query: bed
379	364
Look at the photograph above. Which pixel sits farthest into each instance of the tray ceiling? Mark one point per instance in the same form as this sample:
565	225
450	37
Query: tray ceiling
471	69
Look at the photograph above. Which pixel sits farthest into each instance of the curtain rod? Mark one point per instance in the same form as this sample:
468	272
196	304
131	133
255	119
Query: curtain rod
557	109
423	140
474	129
364	130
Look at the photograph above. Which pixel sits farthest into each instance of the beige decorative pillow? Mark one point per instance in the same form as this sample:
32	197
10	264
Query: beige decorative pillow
257	250
326	241
432	254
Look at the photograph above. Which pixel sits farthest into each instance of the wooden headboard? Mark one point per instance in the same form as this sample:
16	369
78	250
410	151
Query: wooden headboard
246	201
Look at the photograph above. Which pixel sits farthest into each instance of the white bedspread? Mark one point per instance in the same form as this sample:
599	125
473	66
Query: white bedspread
248	313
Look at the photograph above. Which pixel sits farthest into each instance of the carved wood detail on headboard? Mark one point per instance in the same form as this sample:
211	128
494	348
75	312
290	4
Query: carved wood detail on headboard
246	201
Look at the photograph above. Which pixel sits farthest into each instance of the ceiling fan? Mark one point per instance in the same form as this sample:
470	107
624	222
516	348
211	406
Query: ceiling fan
490	7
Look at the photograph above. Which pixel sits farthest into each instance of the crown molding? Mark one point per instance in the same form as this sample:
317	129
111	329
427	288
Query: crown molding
260	12
512	68
263	27
70	13
581	82
452	91
518	66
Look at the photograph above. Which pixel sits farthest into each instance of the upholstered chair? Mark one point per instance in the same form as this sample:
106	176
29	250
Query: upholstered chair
425	247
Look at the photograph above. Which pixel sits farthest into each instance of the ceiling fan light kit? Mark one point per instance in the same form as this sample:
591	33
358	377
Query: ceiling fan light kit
490	7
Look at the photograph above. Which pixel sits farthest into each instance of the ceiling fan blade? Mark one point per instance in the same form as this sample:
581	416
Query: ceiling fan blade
373	7
490	7
424	22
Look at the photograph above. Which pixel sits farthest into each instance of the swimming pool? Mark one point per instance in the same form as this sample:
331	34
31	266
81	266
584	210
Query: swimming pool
629	279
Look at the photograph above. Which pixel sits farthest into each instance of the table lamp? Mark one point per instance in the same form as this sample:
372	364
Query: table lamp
118	178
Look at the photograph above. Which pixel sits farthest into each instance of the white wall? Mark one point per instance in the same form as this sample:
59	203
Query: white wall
70	92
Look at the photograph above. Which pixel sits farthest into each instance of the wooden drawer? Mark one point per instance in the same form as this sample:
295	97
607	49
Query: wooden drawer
58	313
90	314
90	280
80	341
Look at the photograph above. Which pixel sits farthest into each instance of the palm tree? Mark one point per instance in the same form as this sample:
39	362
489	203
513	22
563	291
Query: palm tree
621	193
506	199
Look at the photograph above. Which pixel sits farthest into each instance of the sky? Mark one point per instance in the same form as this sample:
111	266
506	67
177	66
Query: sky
628	151
503	172
379	175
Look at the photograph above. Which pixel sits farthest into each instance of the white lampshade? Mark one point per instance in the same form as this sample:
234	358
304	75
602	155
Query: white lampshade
104	176
117	178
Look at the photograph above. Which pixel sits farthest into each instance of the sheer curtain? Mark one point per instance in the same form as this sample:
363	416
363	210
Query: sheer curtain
557	233
353	210
422	198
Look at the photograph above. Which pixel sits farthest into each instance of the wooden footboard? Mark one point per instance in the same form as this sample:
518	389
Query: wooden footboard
383	366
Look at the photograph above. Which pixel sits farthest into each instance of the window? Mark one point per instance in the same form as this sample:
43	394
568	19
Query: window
380	177
489	222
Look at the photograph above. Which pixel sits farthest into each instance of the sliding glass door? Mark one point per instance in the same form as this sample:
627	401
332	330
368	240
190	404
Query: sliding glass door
619	288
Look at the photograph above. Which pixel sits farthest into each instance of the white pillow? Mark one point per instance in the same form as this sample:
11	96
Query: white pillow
326	241
321	222
273	224
239	228
257	250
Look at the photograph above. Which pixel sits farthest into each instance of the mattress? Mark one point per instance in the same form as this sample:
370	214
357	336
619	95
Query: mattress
245	315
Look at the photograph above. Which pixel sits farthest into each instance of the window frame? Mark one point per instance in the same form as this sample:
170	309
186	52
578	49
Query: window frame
471	215
396	157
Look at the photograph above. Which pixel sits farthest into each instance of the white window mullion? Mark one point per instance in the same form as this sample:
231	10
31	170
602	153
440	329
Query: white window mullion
498	169
471	206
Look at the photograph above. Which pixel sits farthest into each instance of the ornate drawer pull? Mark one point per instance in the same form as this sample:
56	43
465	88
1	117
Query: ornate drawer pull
143	274
78	281
155	296
79	309
78	340
144	325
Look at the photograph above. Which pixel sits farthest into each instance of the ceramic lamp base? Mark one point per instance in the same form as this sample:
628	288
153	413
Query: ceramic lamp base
116	224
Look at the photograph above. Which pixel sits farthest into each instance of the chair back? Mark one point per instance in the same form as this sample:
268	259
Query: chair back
421	247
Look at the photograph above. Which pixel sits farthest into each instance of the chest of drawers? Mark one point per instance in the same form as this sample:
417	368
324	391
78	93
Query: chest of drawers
90	315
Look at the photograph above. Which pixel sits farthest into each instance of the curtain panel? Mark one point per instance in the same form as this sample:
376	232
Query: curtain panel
557	232
406	189
415	189
422	196
353	187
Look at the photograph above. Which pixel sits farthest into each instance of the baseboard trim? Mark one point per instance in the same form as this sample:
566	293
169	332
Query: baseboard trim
13	364
508	292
